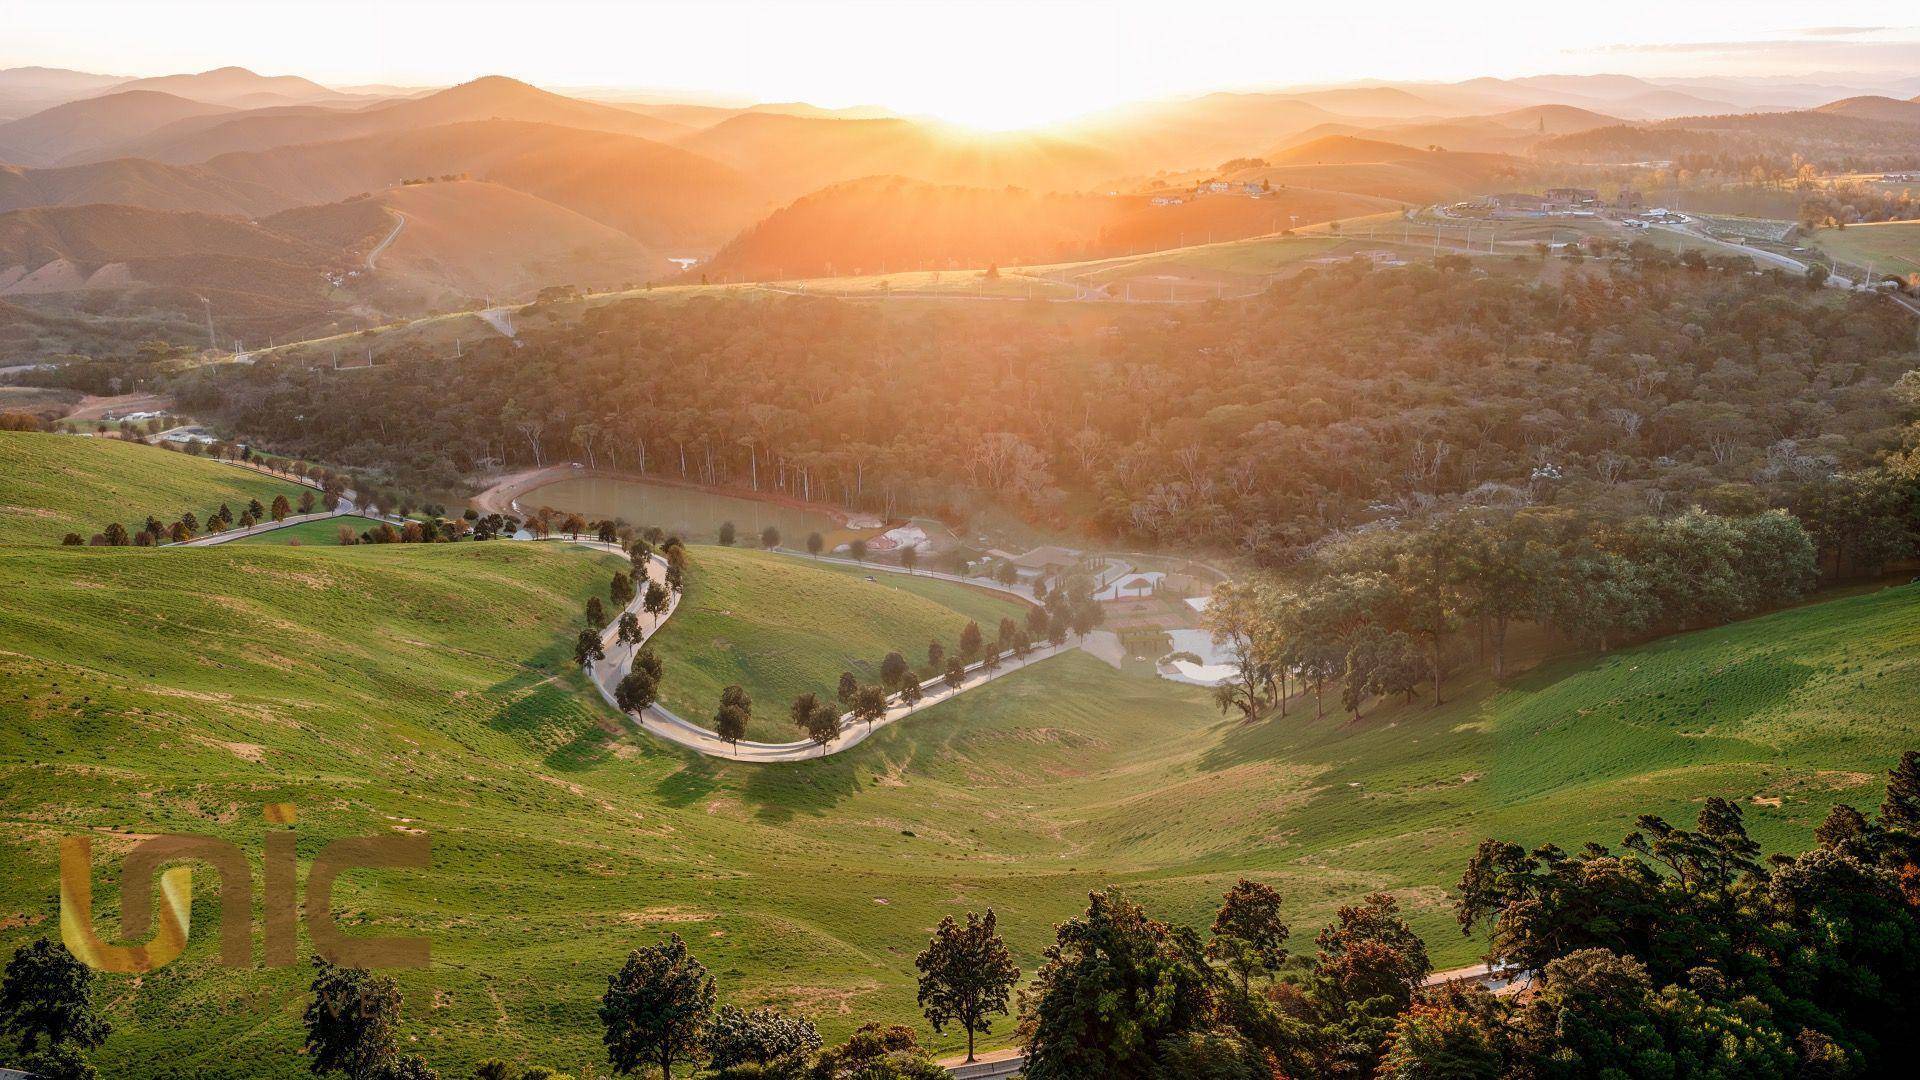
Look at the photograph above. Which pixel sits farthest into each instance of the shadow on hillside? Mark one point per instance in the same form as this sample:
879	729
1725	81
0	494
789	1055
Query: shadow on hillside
779	793
693	781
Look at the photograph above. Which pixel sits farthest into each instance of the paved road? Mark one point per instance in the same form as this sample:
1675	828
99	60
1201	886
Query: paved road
400	222
664	723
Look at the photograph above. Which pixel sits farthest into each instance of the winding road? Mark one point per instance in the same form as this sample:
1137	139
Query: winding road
663	723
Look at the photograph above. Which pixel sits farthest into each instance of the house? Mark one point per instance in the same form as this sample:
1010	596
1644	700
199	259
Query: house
1517	202
1629	199
1048	561
1167	200
1218	187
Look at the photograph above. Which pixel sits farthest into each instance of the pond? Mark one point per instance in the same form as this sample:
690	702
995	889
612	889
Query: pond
694	514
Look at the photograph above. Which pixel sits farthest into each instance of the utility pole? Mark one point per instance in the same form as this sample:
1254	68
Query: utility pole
212	341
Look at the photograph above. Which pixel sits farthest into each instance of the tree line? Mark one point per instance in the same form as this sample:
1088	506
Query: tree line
1387	612
1343	397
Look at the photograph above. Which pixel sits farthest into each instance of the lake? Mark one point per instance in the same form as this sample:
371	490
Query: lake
694	514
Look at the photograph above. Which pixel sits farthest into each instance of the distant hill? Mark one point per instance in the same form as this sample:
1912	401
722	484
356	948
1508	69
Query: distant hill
491	98
1341	150
1871	107
894	223
234	86
792	155
57	134
473	239
1202	132
92	236
665	197
134	182
1513	132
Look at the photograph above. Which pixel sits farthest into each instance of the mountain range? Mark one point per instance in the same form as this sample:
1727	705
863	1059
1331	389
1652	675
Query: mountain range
783	188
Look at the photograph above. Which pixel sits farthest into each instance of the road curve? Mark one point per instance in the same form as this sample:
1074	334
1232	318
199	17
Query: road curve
663	723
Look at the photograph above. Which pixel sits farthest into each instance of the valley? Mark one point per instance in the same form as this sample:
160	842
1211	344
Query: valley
815	542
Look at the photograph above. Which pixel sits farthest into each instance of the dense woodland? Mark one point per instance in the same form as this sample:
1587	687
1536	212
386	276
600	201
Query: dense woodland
1344	399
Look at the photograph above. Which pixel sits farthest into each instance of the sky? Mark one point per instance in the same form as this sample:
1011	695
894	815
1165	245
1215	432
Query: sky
992	63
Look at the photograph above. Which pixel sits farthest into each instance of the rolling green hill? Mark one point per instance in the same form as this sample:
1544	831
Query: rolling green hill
55	484
781	627
428	688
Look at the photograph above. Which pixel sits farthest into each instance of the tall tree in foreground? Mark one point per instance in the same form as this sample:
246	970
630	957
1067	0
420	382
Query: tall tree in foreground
352	1023
966	975
47	997
1116	990
656	1009
1248	934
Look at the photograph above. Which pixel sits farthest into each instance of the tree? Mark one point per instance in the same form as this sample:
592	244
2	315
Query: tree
966	975
735	713
607	532
657	598
818	719
1248	933
956	674
858	549
909	558
894	670
47	995
629	633
656	1008
307	502
869	704
936	653
911	692
649	661
596	612
739	1037
587	649
727	534
116	535
770	537
281	508
637	691
621	590
258	511
1116	987
971	642
352	1022
816	543
573	525
849	686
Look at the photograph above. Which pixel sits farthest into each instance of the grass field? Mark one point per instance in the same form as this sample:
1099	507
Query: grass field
428	687
781	627
1890	247
51	485
325	532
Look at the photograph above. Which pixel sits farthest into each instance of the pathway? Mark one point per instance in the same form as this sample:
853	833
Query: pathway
400	222
663	723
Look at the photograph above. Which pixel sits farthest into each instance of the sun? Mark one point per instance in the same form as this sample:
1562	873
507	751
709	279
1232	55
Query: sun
1005	107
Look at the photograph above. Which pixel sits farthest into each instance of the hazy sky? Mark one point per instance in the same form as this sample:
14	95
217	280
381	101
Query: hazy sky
986	61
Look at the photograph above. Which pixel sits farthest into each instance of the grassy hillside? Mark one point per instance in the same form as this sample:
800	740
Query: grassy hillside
56	484
781	627
1890	247
325	532
429	688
